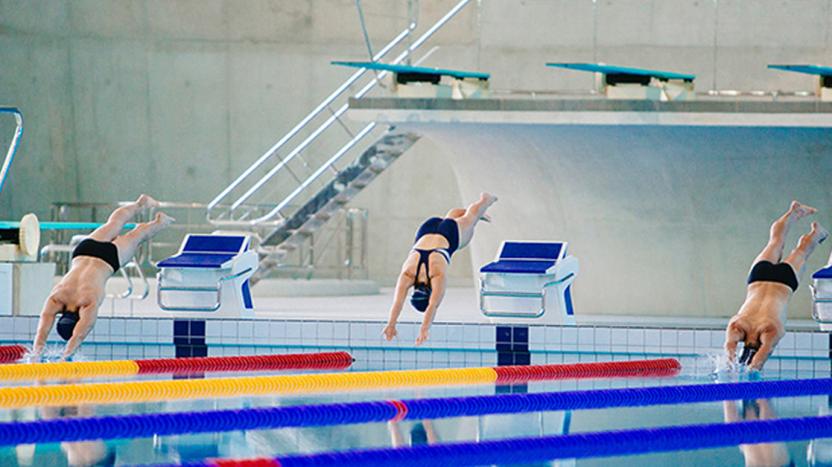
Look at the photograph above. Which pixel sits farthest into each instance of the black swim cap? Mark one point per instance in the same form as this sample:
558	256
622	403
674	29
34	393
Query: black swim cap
420	298
66	325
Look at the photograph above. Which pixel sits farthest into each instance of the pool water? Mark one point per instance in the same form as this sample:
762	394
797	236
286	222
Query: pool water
268	443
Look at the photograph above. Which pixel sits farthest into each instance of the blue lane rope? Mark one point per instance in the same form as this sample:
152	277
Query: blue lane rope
573	446
144	425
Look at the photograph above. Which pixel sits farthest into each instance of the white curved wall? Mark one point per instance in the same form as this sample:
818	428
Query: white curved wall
665	220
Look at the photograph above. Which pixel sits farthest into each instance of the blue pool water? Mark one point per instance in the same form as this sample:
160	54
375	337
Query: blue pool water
258	443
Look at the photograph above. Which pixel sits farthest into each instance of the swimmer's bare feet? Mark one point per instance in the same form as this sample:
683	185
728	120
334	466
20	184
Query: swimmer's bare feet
147	201
487	198
818	233
164	219
800	211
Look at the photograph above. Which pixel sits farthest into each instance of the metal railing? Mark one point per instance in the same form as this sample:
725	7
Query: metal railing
338	250
18	133
232	217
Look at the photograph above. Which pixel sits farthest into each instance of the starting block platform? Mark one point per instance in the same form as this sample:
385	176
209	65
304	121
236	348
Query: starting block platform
824	74
209	274
529	281
618	82
822	297
425	82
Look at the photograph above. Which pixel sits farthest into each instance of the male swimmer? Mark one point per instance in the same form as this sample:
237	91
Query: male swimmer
760	322
79	294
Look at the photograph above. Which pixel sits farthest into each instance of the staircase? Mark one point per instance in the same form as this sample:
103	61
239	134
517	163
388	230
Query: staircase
297	190
338	192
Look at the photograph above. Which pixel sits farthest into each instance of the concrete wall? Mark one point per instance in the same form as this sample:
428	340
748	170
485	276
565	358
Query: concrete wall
175	97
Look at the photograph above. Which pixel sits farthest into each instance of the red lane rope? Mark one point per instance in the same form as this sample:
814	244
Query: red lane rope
658	367
316	361
245	463
401	410
11	353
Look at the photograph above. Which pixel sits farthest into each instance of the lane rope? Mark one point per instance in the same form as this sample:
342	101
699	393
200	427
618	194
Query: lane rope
146	425
571	446
190	365
147	391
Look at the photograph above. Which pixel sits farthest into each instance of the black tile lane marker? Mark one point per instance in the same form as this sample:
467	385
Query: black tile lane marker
512	345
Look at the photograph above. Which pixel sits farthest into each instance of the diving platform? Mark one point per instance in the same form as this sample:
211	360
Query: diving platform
596	111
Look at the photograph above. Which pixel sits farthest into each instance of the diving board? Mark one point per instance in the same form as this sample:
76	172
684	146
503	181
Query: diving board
60	225
618	82
824	74
419	81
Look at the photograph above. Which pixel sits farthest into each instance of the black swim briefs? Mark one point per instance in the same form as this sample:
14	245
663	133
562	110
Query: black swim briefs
105	251
766	271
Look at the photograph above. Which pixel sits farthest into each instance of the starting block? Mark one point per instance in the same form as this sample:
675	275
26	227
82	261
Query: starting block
424	82
618	82
529	280
824	74
210	273
822	297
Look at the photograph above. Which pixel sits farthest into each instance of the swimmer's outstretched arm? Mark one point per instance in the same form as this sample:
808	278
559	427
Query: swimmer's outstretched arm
402	285
86	319
47	320
436	295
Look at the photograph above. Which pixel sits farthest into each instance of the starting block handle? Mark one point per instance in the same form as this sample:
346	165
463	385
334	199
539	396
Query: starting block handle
217	290
531	314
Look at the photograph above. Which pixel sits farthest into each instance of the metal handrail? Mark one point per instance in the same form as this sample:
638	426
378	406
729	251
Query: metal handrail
335	115
323	168
305	121
18	132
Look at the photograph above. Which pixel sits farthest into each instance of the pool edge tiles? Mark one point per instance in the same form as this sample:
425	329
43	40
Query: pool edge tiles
194	337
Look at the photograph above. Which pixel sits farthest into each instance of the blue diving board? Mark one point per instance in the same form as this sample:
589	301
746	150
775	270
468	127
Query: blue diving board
61	225
624	71
818	70
414	70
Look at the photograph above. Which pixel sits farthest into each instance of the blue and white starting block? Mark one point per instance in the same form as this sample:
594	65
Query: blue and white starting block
529	280
822	297
209	274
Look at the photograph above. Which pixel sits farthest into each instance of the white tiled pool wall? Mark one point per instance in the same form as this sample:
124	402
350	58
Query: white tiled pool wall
153	337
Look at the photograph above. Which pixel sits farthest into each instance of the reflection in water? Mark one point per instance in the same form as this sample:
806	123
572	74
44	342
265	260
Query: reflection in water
819	452
762	454
421	433
81	453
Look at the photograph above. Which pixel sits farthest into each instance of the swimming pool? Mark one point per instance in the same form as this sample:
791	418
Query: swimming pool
287	441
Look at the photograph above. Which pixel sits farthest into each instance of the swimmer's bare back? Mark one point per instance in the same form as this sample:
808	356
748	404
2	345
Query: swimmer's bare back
84	284
80	291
